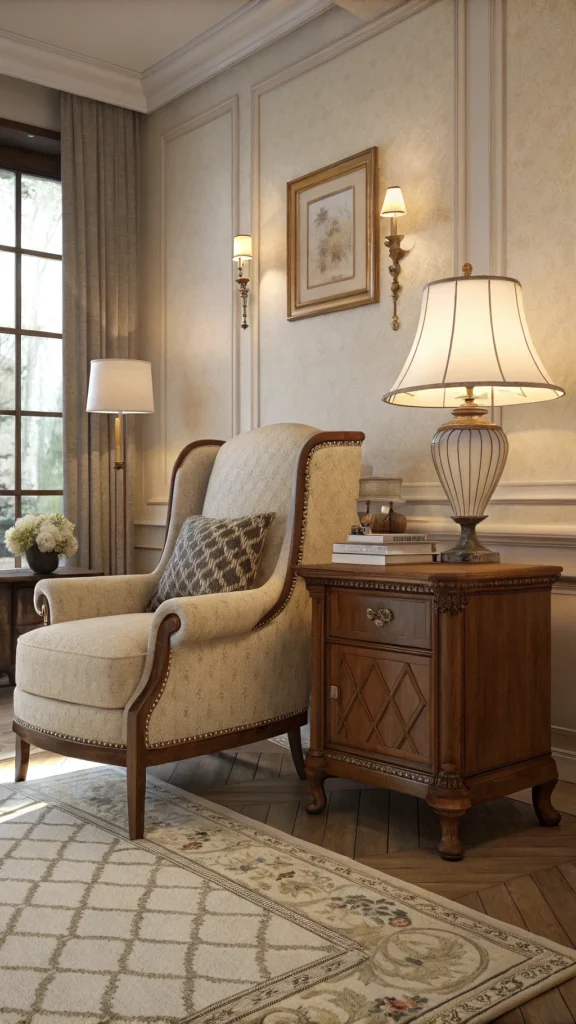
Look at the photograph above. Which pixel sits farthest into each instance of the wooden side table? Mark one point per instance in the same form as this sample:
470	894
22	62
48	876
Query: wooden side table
434	681
17	612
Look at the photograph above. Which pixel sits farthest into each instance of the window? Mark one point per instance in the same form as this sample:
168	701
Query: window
30	346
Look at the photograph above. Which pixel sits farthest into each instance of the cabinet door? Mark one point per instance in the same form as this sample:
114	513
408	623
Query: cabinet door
378	702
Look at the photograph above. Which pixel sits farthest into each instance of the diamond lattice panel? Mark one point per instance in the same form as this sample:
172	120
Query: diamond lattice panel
382	702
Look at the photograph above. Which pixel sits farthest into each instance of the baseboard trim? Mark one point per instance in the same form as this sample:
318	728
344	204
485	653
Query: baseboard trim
566	764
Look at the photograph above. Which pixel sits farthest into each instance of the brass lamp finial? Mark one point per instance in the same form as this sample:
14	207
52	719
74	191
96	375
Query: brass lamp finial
467	270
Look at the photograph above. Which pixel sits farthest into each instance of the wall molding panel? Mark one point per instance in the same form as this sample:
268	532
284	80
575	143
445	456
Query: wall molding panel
228	107
275	81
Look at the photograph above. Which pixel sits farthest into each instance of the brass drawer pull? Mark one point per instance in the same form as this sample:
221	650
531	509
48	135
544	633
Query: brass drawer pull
380	616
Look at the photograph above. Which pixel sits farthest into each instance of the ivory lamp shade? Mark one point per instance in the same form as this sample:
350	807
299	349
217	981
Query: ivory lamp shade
120	385
381	489
393	205
242	247
472	332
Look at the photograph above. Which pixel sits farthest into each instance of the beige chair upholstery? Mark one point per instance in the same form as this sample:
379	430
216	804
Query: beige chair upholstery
106	674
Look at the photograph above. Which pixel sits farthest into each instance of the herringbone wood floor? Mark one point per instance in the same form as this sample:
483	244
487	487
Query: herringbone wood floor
513	870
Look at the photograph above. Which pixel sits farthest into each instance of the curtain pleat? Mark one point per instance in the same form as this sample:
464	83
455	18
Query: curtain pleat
100	221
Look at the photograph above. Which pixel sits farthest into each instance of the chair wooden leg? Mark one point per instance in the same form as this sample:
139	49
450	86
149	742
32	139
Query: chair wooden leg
22	759
295	740
136	782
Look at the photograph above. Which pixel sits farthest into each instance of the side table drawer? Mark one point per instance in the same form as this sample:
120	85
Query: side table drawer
380	618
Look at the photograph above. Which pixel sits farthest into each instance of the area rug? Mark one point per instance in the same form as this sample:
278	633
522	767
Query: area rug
216	919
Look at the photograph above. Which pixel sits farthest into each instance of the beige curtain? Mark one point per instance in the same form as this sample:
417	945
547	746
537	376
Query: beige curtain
100	191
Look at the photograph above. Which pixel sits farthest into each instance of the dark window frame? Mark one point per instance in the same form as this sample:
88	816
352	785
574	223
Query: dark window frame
42	165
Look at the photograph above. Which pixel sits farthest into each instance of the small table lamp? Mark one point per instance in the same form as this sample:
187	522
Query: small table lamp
472	337
118	387
383	490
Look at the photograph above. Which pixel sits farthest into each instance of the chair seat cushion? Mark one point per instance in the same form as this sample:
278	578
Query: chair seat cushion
96	662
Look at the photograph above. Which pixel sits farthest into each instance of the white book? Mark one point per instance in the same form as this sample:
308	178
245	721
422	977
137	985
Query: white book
386	538
378	559
416	548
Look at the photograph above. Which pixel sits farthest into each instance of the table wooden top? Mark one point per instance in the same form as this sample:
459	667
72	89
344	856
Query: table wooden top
24	575
434	572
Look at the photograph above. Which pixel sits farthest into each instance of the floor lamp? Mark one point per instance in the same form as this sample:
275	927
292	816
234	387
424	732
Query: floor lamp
118	387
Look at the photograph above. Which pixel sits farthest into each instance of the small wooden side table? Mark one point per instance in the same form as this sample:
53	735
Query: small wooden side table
433	680
17	612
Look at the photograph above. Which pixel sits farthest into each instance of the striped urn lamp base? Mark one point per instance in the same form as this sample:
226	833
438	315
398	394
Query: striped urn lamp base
469	455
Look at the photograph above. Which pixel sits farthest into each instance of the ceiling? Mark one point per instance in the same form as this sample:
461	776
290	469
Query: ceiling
133	34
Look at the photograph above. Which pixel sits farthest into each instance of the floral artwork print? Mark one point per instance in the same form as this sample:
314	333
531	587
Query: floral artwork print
331	238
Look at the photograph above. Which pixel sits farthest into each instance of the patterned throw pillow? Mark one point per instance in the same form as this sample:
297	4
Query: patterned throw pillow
213	556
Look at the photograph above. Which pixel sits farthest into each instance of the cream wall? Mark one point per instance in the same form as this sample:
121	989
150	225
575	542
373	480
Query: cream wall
29	103
472	106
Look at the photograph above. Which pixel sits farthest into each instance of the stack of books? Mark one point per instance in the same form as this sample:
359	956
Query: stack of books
384	549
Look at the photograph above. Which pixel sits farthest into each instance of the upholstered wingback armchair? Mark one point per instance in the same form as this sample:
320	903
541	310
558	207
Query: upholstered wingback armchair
108	681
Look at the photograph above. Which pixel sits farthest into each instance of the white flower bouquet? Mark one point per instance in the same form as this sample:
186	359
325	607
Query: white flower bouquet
50	532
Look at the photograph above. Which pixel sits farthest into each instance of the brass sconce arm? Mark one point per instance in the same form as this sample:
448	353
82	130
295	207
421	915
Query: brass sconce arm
394	207
394	245
243	281
242	254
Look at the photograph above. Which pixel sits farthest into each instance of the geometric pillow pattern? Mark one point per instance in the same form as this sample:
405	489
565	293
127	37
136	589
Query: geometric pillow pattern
213	556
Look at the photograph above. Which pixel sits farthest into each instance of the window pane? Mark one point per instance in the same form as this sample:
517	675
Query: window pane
38	504
41	214
7	208
7	370
41	294
7	517
41	374
7	441
7	289
41	453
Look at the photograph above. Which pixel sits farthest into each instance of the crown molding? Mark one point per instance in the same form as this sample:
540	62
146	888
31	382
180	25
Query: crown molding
71	72
230	41
247	30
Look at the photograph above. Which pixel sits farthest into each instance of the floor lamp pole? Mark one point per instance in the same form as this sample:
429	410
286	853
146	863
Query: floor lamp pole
120	465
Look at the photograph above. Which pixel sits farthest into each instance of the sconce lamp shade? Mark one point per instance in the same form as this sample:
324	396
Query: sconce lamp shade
472	332
242	247
393	205
381	489
120	385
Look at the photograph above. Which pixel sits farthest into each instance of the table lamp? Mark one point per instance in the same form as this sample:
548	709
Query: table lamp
472	343
119	387
382	490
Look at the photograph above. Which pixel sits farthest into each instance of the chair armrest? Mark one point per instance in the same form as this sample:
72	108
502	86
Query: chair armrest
89	597
212	616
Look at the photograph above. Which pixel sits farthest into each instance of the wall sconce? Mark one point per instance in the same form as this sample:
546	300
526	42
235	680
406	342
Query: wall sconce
242	256
393	207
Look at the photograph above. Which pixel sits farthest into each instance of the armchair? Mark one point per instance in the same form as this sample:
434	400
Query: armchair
108	681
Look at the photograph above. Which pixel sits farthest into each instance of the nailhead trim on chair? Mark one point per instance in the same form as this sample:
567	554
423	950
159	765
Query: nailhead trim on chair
324	444
222	732
65	736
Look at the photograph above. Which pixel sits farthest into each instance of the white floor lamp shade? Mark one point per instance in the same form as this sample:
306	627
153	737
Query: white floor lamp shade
119	387
472	343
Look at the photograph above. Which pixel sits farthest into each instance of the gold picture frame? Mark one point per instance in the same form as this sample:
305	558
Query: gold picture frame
333	238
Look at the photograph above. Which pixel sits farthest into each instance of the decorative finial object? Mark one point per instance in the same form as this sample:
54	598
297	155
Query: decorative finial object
467	270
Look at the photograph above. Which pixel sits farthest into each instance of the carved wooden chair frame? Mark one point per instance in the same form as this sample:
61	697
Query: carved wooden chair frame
136	756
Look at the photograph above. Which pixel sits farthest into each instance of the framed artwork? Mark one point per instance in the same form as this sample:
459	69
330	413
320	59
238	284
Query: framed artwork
333	237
